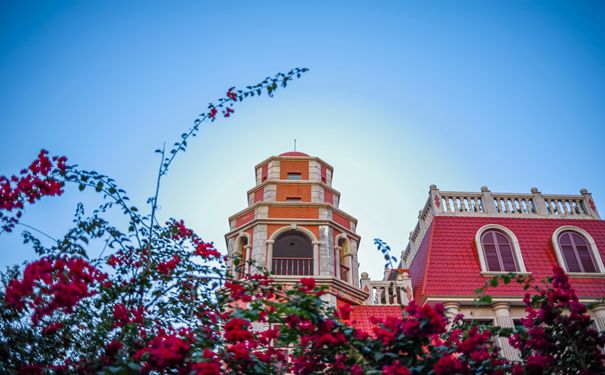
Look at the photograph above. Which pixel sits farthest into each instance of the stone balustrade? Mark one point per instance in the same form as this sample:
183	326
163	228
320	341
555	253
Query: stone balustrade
485	203
387	292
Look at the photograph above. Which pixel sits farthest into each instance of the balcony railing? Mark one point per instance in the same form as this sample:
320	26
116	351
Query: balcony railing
385	292
292	266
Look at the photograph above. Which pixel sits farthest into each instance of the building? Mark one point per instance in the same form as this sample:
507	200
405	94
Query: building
293	226
462	239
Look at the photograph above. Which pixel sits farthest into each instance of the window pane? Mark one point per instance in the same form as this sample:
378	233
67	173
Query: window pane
570	259
564	239
488	237
578	240
502	240
586	259
508	260
491	257
294	176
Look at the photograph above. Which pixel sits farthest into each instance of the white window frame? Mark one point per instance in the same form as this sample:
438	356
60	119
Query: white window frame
592	247
516	250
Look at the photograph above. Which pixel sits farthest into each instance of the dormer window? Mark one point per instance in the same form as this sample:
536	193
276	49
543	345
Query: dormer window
294	176
498	250
576	251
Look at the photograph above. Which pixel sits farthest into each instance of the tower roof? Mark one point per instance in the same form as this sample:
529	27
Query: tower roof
293	153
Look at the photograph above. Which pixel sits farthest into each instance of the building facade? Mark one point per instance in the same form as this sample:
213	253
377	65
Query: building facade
294	228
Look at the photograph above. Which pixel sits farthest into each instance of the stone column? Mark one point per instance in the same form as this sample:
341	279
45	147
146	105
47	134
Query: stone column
337	250
246	265
316	257
258	253
269	264
349	263
503	319
451	310
598	313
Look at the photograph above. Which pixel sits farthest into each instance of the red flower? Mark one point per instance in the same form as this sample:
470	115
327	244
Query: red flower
51	329
308	284
236	330
448	365
166	267
232	95
395	369
212	113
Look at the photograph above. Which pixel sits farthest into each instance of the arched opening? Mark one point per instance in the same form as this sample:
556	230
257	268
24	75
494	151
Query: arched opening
241	253
292	254
345	266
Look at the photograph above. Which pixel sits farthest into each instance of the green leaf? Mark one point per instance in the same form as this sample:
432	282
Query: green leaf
81	187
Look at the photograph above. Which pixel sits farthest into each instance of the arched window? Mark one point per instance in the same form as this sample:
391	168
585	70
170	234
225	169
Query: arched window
577	251
498	250
240	256
292	254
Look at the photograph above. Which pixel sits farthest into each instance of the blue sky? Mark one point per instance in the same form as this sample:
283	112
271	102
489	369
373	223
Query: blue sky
400	95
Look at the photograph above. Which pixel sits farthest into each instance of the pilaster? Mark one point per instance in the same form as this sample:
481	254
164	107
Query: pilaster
503	319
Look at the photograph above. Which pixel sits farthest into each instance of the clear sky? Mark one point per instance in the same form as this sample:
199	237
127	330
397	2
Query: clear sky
400	95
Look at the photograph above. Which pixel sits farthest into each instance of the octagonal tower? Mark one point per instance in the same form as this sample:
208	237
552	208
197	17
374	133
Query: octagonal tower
294	228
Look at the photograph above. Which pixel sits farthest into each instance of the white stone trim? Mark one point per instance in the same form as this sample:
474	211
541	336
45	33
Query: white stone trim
593	249
514	243
295	227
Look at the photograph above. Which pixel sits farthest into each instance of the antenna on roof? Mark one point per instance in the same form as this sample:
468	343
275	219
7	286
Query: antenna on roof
294	144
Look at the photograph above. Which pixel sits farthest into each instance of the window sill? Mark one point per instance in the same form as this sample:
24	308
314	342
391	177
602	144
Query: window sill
586	274
498	273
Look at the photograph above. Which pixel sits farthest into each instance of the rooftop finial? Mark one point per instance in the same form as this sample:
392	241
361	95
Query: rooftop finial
294	144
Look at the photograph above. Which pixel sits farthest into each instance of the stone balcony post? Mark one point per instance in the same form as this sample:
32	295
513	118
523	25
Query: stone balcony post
366	287
539	203
488	201
435	200
590	205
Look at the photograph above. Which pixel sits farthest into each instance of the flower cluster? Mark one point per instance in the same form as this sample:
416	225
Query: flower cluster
166	350
557	332
204	249
42	178
122	315
49	285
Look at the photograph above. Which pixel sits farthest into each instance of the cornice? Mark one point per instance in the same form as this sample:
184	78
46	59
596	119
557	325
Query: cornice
283	221
293	182
292	204
293	158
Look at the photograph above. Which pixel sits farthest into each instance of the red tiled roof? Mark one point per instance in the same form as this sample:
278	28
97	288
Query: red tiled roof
293	153
361	315
447	263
